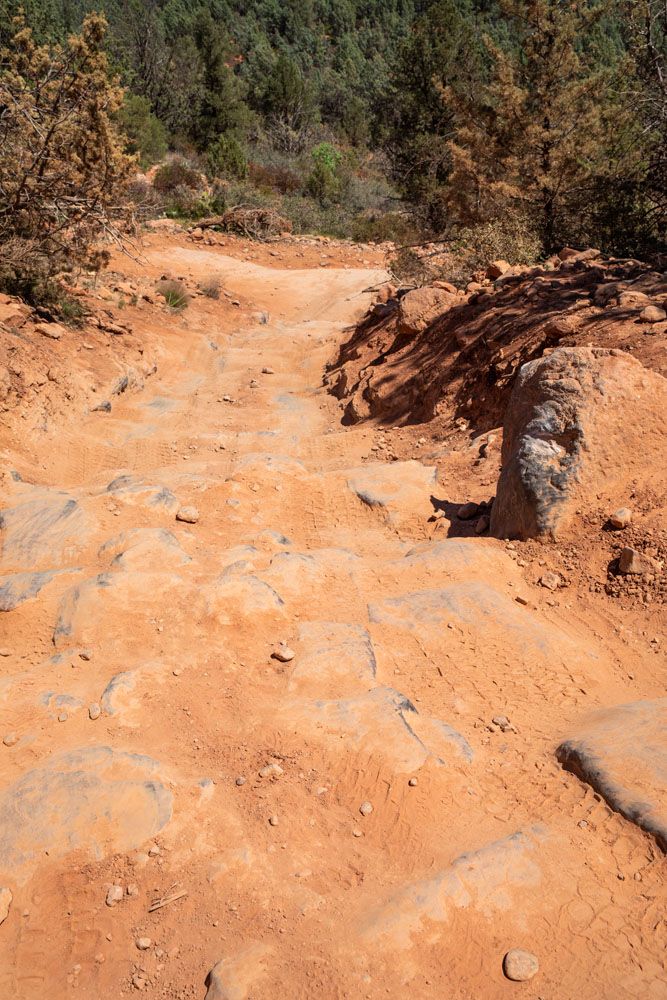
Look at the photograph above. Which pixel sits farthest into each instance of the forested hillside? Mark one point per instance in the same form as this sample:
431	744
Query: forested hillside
511	125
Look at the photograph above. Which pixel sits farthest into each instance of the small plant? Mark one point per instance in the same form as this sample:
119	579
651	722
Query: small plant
174	293
211	287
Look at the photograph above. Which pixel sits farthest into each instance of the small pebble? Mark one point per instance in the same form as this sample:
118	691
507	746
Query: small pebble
271	770
143	943
413	782
177	672
268	371
240	780
114	895
132	889
357	832
283	653
366	808
10	739
520	965
153	851
5	652
85	654
62	717
94	711
190	515
551	581
273	820
621	518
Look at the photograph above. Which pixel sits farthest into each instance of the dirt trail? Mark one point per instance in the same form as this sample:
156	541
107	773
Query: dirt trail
406	648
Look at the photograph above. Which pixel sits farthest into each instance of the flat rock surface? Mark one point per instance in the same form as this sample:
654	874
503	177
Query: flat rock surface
621	752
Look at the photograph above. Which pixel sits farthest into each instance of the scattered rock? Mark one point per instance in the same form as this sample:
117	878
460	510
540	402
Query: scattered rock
653	314
520	965
5	903
631	561
621	518
551	581
366	808
240	780
496	269
273	820
190	515
482	525
272	770
10	739
420	307
114	895
53	331
268	371
283	653
94	711
503	723
413	782
143	943
467	511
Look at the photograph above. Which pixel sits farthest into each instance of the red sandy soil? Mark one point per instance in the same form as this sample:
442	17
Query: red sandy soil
493	846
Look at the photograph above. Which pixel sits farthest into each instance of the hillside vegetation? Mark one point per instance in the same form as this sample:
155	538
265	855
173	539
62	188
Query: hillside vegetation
519	126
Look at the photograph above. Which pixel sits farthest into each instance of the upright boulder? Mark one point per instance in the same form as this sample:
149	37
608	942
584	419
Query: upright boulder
579	420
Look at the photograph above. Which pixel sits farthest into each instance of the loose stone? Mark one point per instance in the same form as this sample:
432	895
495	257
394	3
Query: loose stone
143	943
413	782
271	770
94	711
551	581
190	515
520	965
467	511
633	562
10	739
114	895
283	653
240	780
366	808
621	518
273	820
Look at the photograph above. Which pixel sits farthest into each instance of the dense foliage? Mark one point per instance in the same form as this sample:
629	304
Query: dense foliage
541	119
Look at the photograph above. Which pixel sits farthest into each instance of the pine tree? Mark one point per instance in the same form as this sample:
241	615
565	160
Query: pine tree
62	167
533	144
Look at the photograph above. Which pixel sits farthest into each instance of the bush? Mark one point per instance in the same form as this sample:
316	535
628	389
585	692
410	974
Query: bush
211	287
324	181
274	178
62	167
176	175
512	239
382	227
226	158
174	293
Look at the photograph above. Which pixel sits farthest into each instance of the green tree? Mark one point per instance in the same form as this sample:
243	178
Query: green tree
221	106
147	136
443	50
536	138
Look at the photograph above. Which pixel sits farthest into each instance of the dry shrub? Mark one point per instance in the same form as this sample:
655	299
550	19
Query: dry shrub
251	222
174	293
274	178
62	165
176	175
211	287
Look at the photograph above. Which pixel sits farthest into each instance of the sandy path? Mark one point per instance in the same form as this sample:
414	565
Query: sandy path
405	649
